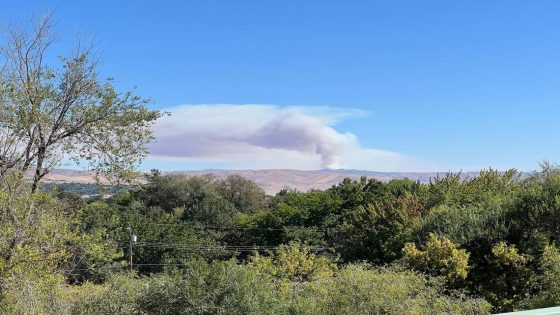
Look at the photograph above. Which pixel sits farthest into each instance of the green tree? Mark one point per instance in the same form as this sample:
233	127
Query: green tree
548	289
246	196
375	232
439	257
40	251
455	190
192	198
50	113
163	238
292	216
294	262
534	216
508	280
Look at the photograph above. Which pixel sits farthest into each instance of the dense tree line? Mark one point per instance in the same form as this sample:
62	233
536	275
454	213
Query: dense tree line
209	245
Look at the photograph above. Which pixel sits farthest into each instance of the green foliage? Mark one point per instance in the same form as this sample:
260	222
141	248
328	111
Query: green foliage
229	288
510	278
119	295
353	193
34	294
242	193
471	226
548	293
482	240
489	186
294	262
184	240
440	257
375	232
309	218
193	198
221	287
39	250
535	215
359	290
50	113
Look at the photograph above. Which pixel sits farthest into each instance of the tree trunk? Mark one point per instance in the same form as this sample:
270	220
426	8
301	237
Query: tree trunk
38	169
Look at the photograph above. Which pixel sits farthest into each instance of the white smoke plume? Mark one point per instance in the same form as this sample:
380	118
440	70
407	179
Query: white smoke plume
267	136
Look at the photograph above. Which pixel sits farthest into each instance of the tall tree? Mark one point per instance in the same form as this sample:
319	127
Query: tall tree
52	113
244	194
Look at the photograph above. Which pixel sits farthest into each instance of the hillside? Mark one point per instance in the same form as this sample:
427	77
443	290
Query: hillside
271	181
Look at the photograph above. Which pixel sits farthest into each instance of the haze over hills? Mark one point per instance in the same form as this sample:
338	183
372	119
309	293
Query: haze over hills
272	180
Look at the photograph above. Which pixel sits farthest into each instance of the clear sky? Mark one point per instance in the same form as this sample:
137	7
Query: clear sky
392	85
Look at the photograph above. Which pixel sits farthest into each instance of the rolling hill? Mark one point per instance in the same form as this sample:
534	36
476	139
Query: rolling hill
272	180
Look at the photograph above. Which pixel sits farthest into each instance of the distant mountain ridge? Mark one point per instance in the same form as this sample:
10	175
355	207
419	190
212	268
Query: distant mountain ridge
273	180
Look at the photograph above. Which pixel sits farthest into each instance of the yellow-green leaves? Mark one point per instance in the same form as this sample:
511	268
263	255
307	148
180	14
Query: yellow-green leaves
439	257
508	255
294	262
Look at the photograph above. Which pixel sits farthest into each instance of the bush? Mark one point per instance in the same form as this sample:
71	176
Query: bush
357	289
230	288
440	257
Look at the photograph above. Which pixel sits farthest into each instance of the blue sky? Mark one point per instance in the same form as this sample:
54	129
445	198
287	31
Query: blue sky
426	84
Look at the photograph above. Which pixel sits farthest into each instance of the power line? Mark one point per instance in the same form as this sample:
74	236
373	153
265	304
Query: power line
240	248
209	227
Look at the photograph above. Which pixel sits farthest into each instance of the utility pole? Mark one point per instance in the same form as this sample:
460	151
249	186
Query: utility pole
131	241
